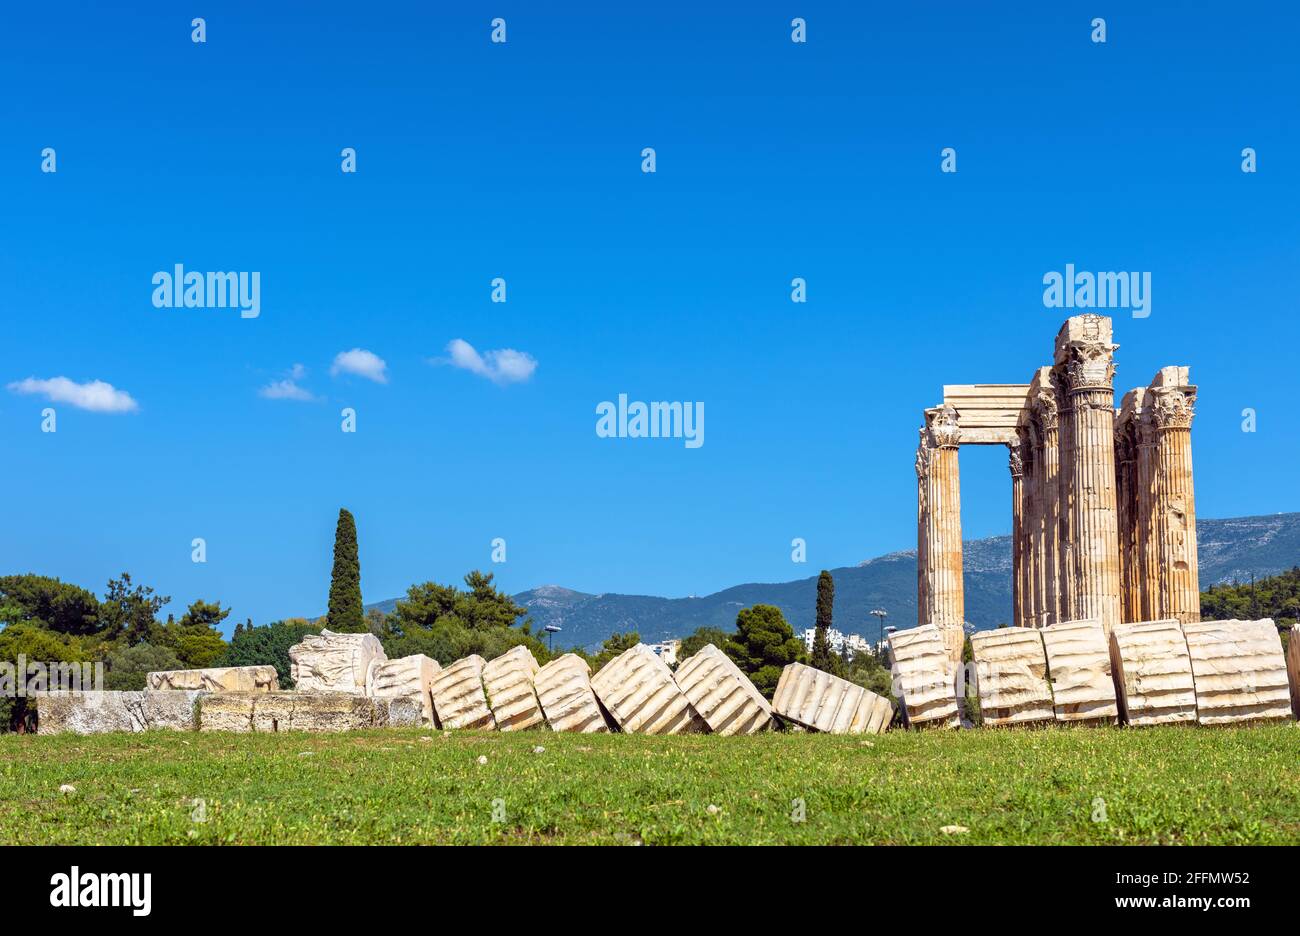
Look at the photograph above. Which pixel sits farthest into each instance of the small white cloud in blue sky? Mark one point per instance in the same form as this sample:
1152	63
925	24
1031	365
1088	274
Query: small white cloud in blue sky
502	366
93	395
288	388
362	363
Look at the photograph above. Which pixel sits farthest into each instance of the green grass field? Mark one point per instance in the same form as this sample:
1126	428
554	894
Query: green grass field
1174	785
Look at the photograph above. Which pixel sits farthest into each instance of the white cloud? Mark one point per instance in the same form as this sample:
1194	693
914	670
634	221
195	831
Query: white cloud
363	363
288	388
94	395
503	366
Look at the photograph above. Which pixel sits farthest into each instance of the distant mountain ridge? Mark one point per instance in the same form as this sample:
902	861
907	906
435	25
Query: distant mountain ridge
1227	549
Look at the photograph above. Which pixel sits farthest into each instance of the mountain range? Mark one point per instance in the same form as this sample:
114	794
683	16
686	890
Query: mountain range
1228	550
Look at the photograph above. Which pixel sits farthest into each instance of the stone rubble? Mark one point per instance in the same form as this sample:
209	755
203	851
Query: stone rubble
458	697
1011	676
818	701
564	691
508	681
923	676
637	689
722	694
330	662
1239	671
1153	673
408	677
216	679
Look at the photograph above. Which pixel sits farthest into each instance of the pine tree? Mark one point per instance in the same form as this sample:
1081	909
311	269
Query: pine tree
345	612
822	657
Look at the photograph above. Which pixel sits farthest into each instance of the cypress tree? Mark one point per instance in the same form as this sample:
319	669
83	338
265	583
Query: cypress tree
822	658
345	612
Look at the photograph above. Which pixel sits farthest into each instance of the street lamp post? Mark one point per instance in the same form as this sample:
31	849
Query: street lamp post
880	614
551	631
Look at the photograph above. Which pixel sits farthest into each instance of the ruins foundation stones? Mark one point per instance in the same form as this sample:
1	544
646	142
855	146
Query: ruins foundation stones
219	679
409	677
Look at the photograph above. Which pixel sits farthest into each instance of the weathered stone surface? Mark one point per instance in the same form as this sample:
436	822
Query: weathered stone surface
923	676
637	689
1153	673
1293	668
1011	676
330	662
400	712
268	712
458	697
216	679
722	694
409	677
508	681
99	712
564	691
1239	671
819	701
1078	663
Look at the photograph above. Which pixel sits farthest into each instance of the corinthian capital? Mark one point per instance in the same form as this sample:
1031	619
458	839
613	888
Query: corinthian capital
1172	407
1015	462
922	459
941	427
1085	354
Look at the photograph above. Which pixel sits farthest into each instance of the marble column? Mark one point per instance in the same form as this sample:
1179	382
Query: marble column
1043	402
1171	403
1019	596
1126	487
939	588
1085	353
1146	572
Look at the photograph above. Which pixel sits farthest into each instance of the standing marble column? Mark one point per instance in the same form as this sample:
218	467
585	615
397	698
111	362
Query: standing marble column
1171	403
939	588
1146	565
1126	487
1018	594
1044	414
1086	355
1066	591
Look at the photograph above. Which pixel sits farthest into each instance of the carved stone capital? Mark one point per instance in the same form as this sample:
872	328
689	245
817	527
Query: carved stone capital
1172	407
1089	365
1044	410
942	428
1015	462
922	459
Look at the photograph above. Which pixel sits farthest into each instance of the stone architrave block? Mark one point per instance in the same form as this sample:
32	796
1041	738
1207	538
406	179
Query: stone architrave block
1239	671
1293	668
1011	676
458	697
818	701
1153	673
924	675
508	681
270	712
216	679
564	691
408	677
330	662
99	712
637	689
722	694
1078	663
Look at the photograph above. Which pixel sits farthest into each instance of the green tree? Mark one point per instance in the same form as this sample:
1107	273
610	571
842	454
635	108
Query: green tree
697	641
35	643
614	645
345	610
268	645
822	656
127	666
196	638
762	646
59	606
446	623
130	612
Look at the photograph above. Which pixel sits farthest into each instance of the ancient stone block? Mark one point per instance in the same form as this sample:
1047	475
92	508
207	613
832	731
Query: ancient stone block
923	676
330	662
508	681
564	691
722	694
1293	667
1078	663
1011	676
458	697
409	677
217	679
269	712
400	712
637	689
1153	673
819	701
1239	671
100	712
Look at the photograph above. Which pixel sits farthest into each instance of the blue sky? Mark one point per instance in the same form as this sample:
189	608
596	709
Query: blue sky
477	160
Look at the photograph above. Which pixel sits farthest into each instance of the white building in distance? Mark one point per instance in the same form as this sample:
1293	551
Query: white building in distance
855	643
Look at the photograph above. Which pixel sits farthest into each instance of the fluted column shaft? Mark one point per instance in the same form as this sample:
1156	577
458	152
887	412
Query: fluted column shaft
1085	350
1050	495
1174	507
1147	571
939	560
1019	595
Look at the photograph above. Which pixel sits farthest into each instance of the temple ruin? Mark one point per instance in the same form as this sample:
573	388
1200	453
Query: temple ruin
1102	507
